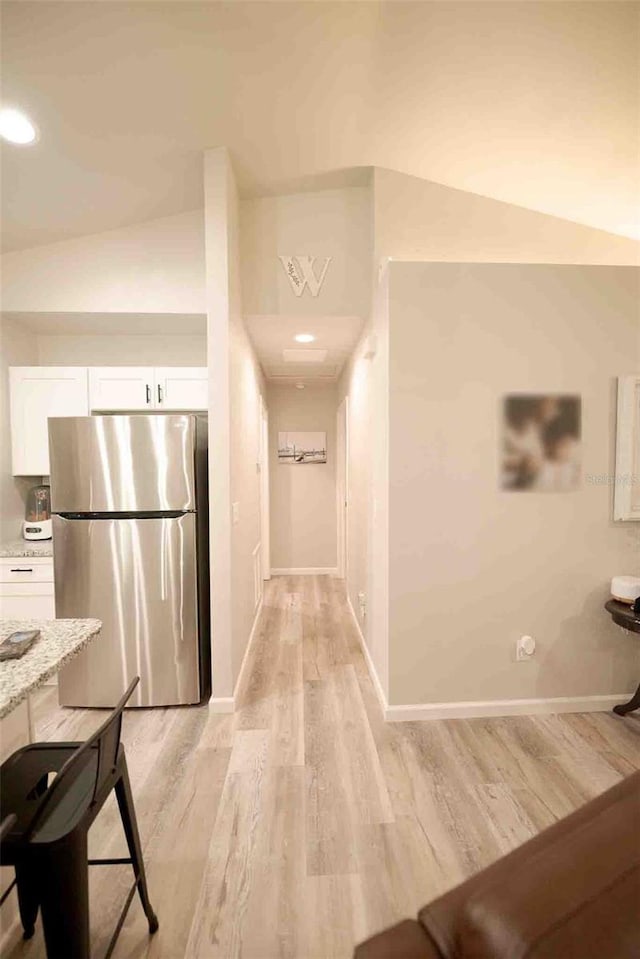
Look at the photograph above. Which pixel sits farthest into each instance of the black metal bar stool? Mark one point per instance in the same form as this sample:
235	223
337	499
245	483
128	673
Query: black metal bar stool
47	841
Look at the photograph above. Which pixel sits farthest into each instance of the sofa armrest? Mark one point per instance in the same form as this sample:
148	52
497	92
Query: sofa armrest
571	892
407	940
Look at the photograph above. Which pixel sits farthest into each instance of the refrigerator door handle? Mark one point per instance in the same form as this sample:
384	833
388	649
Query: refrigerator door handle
126	514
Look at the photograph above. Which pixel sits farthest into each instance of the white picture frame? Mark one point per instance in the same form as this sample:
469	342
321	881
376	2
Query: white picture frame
626	492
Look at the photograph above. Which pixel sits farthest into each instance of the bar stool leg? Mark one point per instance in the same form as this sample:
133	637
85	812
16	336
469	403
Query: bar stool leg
64	897
28	902
128	815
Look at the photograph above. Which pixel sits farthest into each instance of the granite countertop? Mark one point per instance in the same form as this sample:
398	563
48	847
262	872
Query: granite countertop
60	641
22	547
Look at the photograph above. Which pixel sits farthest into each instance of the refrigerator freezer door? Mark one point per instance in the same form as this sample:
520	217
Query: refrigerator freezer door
138	576
122	463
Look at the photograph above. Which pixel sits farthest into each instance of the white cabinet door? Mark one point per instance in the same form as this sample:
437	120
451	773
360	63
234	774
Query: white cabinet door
121	388
27	601
25	569
182	388
38	392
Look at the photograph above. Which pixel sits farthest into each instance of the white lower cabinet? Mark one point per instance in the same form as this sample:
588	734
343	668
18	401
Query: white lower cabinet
26	588
16	731
27	602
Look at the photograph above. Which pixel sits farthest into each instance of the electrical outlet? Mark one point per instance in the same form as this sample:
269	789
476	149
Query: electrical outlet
525	648
235	513
362	603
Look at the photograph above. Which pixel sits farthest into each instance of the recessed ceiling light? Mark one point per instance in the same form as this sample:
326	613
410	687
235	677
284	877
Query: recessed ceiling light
16	127
299	386
304	338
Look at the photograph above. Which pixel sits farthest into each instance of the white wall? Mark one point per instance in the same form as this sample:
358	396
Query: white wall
327	223
154	267
303	498
246	387
18	347
216	216
418	219
365	381
234	430
121	349
473	567
356	382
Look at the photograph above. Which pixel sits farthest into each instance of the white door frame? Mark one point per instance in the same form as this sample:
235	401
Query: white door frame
342	486
265	503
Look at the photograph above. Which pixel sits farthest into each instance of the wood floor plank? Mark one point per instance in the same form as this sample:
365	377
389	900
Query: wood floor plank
177	858
303	823
277	921
508	820
291	621
330	817
356	750
221	909
334	916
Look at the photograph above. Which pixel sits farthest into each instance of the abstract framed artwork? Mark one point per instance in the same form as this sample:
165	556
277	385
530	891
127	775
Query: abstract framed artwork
541	439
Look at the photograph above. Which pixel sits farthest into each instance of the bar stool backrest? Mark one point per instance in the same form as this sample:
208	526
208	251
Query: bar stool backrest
106	742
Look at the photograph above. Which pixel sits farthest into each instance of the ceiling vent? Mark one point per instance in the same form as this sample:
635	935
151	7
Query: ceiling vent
300	369
277	374
304	356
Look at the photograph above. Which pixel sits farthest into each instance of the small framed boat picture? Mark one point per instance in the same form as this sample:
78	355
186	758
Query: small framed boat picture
298	449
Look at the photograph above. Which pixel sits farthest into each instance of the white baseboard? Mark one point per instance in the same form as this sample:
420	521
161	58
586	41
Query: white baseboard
306	571
227	704
476	710
373	673
222	704
503	707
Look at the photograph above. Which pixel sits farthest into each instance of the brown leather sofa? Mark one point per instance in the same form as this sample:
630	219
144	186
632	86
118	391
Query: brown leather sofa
572	892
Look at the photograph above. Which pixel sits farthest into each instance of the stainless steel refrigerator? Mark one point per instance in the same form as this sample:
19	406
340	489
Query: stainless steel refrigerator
130	541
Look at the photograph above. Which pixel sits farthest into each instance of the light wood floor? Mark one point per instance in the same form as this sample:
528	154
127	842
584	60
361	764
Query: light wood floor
304	823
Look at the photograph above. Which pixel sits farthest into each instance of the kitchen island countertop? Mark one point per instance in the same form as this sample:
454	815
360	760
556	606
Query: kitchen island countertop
60	641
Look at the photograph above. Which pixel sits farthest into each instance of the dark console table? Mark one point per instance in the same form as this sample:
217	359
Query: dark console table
623	615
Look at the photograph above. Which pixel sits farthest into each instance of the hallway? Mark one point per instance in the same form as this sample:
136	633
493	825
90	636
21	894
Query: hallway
303	823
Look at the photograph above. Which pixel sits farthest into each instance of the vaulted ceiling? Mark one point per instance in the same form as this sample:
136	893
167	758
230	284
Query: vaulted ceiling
533	103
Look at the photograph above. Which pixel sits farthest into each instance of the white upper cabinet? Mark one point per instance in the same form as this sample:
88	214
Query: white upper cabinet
148	388
181	388
121	388
38	392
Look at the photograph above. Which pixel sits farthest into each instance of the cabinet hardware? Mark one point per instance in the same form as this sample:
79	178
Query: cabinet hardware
148	393
22	570
159	393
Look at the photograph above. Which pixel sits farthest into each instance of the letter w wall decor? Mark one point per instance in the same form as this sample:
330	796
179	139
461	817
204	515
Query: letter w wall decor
301	274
